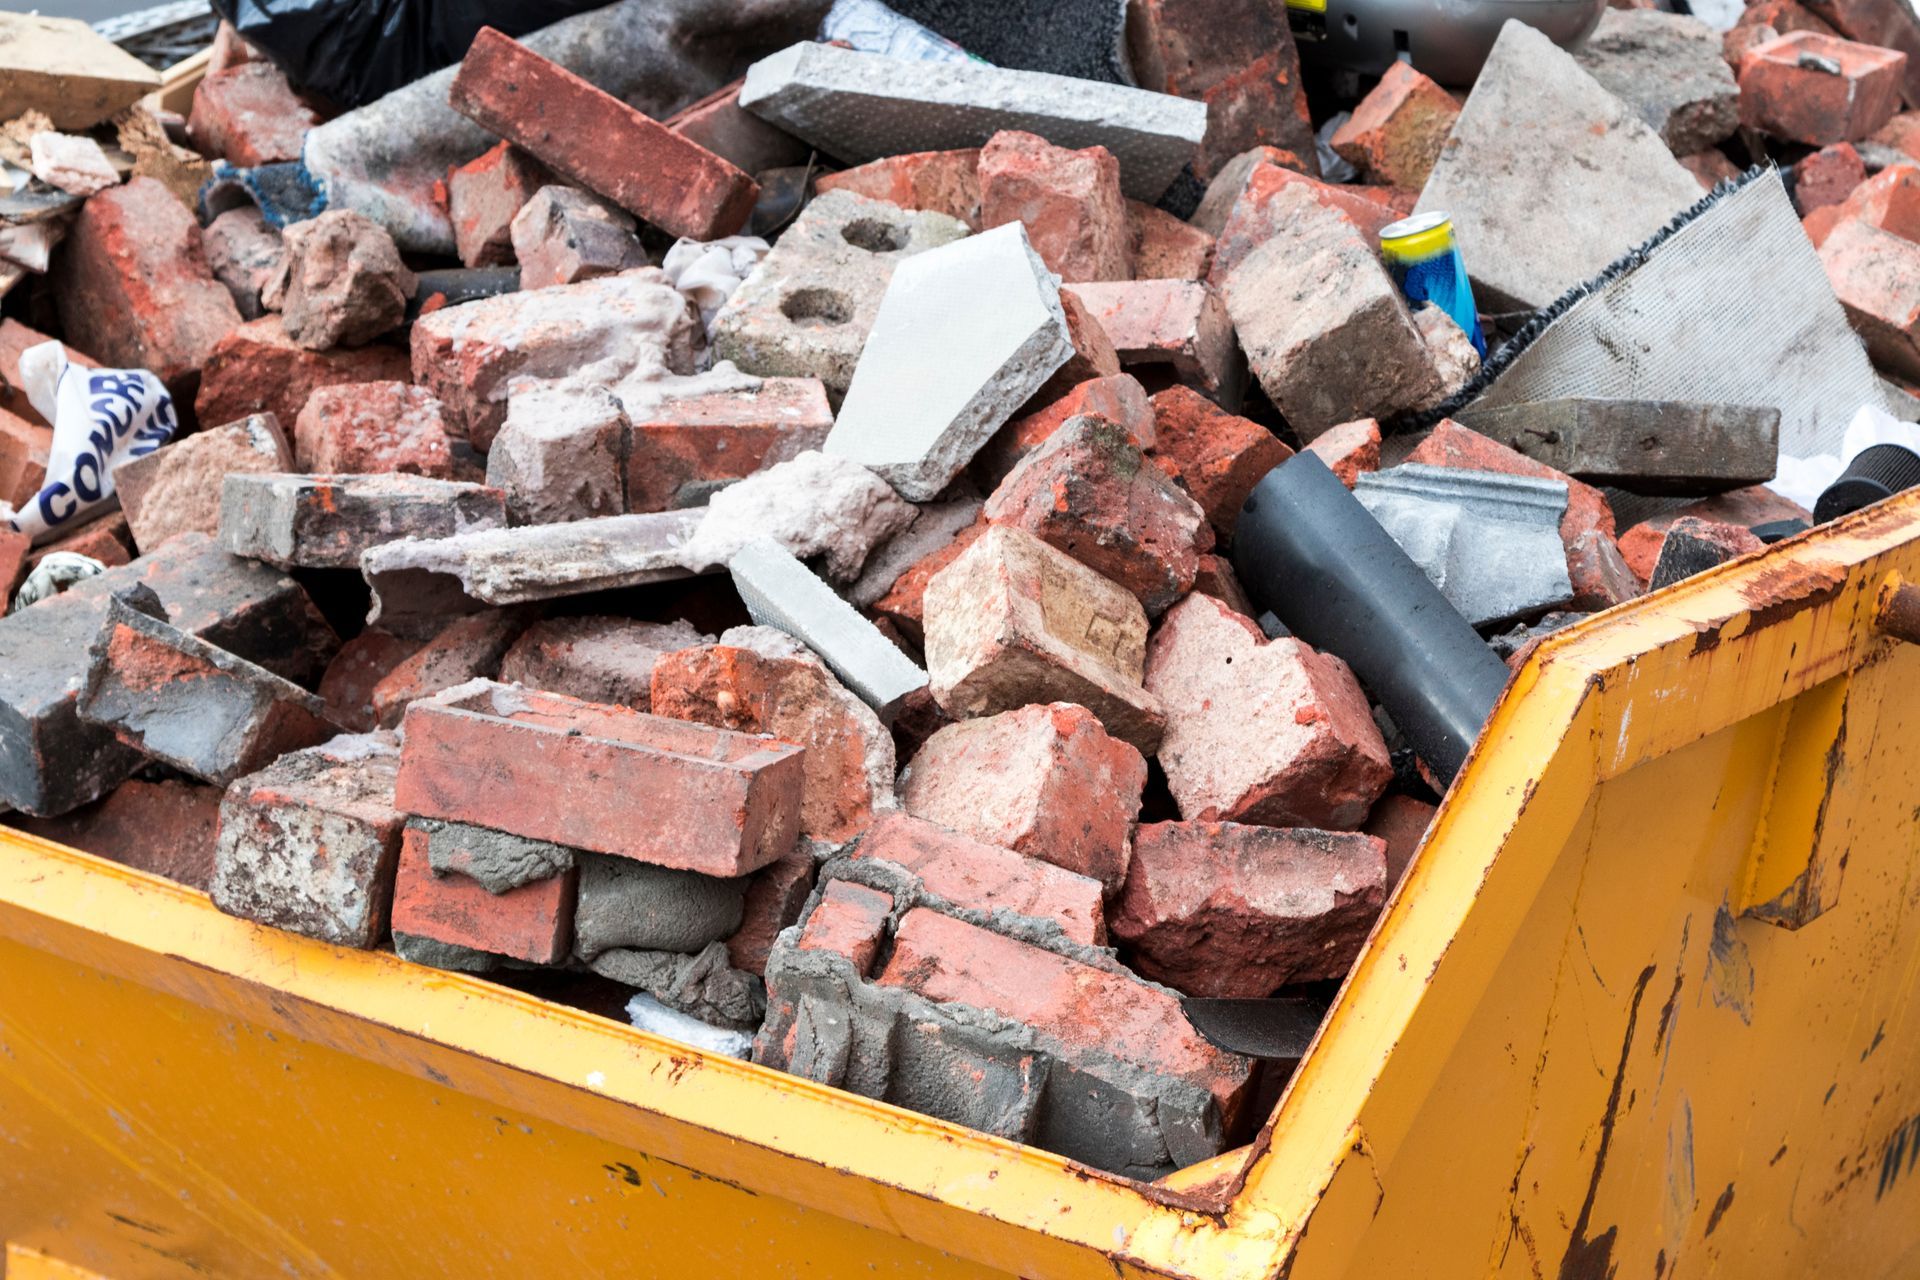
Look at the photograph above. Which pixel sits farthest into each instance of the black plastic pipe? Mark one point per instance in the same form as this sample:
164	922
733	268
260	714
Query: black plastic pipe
1305	548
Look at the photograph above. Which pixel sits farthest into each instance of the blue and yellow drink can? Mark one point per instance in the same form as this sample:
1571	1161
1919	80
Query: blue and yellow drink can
1426	264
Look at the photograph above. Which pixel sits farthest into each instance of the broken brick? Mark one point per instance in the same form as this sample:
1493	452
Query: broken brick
340	282
562	235
685	447
592	138
720	124
1181	323
350	679
1258	215
1220	909
1014	621
1069	202
365	427
532	922
1889	200
1349	449
596	659
244	254
1046	780
1166	248
561	455
1786	89
249	115
1088	491
1599	573
257	368
1827	177
1693	545
1757	504
176	488
1120	399
1217	455
850	920
1401	823
465	649
936	181
1876	276
904	604
1395	133
1260	731
774	898
165	829
484	195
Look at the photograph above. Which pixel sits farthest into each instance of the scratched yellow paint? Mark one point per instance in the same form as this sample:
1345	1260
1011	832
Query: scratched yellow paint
1582	1040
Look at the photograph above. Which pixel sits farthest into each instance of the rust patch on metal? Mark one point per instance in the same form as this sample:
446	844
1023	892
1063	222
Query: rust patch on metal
1780	591
1706	637
1720	1207
1668	1009
1592	1258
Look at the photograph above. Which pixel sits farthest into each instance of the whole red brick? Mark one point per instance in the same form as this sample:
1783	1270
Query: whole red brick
1253	221
1889	200
356	671
1396	132
1046	781
1753	505
257	368
165	828
1120	399
592	138
483	195
1218	455
1784	93
1220	909
468	648
1349	449
601	778
850	920
134	289
533	923
1401	822
1876	276
1827	177
1260	731
362	427
796	700
938	181
1181	323
249	116
685	447
1166	248
1452	445
1088	491
773	901
984	877
1069	202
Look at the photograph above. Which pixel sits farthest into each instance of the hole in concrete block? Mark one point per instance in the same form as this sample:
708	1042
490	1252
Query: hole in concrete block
873	235
817	308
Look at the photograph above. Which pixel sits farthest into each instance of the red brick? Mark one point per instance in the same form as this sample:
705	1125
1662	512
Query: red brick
1693	545
564	234
1260	731
1753	505
1164	247
1890	24
796	700
165	829
1784	17
1014	621
23	458
257	368
249	115
1069	202
1711	167
904	605
1599	573
596	140
1218	455
773	901
1396	132
1779	96
1093	354
1349	449
533	923
1046	781
484	194
465	649
601	778
1452	445
1219	909
356	671
937	181
1254	221
364	427
1181	323
13	564
1902	133
229	50
1080	1012
1876	276
1120	399
1238	57
1217	579
1225	187
176	488
134	289
850	920
596	659
720	124
105	538
1401	822
684	447
340	282
1827	177
1089	492
15	338
1889	200
984	877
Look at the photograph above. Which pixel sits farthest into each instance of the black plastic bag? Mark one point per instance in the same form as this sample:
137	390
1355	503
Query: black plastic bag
351	52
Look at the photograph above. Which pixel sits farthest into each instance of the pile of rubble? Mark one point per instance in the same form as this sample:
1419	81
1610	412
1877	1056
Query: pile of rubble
830	637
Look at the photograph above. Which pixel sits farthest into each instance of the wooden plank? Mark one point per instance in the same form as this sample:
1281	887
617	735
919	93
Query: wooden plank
1643	446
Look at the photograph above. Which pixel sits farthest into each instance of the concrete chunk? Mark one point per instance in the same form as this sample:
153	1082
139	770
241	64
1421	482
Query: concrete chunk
1646	446
1541	145
561	455
327	522
782	593
861	106
1668	67
965	336
1490	542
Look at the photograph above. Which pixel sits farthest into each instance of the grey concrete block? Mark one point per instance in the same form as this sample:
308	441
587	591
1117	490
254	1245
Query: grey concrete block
418	583
184	702
782	593
861	106
965	336
1645	446
1668	67
326	522
1490	542
1548	176
807	308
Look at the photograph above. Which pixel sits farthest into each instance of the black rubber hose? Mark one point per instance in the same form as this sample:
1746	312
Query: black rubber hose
1306	549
